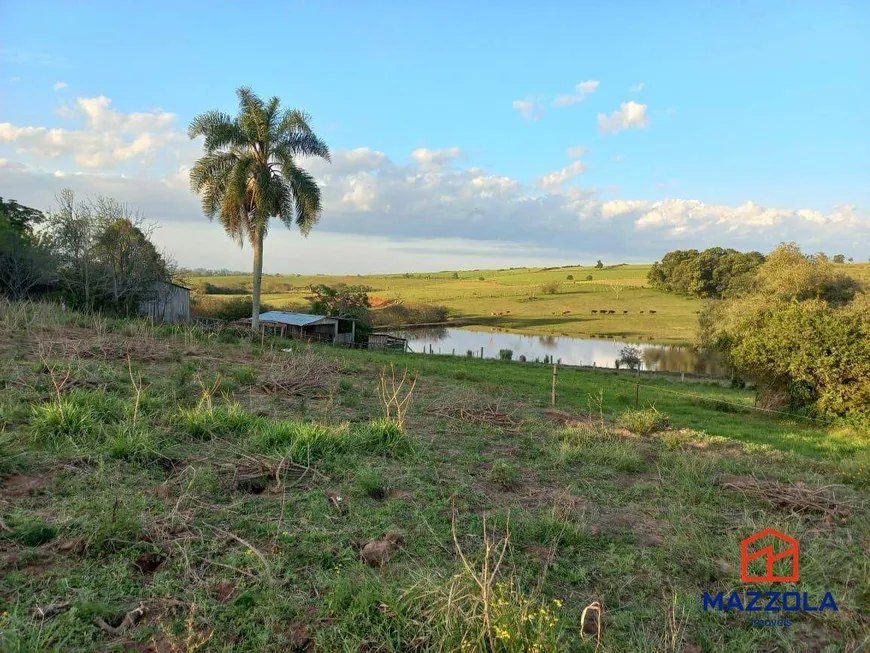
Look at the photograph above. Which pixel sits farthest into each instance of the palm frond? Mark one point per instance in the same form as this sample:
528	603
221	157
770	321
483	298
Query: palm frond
306	197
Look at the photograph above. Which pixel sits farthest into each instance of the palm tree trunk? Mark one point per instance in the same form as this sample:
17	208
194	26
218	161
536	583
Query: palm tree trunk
258	278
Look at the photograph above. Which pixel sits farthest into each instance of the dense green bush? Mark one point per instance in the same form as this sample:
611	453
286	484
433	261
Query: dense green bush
409	314
226	309
715	272
801	331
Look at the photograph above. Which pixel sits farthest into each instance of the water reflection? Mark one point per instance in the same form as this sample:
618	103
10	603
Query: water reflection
570	351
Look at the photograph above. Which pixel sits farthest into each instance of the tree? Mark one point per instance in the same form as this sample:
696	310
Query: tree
599	265
104	257
800	330
249	173
630	356
344	301
25	262
839	258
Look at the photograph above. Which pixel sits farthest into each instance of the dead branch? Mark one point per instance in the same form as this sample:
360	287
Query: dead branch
298	373
797	497
471	407
394	395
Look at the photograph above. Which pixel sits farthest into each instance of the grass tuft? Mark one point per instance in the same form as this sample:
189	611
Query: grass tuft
644	421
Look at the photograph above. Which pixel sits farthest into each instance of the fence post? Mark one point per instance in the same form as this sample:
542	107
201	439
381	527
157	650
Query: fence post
453	353
637	387
481	352
682	377
555	377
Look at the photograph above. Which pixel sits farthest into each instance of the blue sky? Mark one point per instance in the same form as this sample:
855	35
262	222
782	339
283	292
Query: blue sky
721	104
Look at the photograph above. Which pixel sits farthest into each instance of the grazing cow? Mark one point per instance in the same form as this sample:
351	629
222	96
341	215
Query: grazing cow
625	312
652	312
565	312
594	312
641	312
611	312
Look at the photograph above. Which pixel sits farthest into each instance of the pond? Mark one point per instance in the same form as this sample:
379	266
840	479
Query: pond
567	350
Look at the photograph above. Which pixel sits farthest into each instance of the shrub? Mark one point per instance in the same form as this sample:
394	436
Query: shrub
522	358
469	354
550	287
505	475
229	310
506	354
630	356
588	277
643	421
481	278
570	277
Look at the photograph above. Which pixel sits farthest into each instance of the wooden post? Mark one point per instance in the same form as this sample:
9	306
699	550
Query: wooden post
555	377
262	336
453	353
637	387
481	352
682	377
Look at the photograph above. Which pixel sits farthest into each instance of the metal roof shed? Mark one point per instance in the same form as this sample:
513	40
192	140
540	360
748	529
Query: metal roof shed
337	330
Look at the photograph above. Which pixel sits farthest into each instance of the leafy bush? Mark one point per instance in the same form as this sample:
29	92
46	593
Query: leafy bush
506	354
643	421
228	310
629	356
505	475
409	314
801	331
588	277
715	272
550	287
570	277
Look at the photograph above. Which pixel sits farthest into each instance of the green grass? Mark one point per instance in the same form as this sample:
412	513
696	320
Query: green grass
195	502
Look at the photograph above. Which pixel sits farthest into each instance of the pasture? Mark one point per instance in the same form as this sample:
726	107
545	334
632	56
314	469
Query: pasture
521	299
167	488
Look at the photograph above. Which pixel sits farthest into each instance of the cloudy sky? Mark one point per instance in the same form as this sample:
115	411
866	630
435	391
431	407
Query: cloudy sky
463	134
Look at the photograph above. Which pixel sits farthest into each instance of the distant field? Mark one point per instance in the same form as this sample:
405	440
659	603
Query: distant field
514	298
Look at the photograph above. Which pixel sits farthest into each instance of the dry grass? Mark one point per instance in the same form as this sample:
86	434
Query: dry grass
470	406
298	372
797	498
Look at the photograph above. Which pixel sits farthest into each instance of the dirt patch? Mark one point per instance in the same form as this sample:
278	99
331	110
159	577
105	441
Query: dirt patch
647	531
149	562
224	591
19	485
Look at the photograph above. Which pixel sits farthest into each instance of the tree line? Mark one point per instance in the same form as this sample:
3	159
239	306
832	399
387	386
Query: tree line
94	254
791	322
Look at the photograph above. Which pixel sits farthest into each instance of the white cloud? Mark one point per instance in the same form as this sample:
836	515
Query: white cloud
107	138
618	158
581	91
59	86
530	108
436	158
380	214
556	179
630	115
637	88
617	208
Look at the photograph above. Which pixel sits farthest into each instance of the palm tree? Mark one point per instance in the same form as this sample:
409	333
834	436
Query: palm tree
249	173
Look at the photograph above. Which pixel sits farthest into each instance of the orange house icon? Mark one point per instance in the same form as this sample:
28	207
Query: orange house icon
761	545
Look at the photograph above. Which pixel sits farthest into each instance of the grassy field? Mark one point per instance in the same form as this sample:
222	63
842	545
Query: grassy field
160	488
515	298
